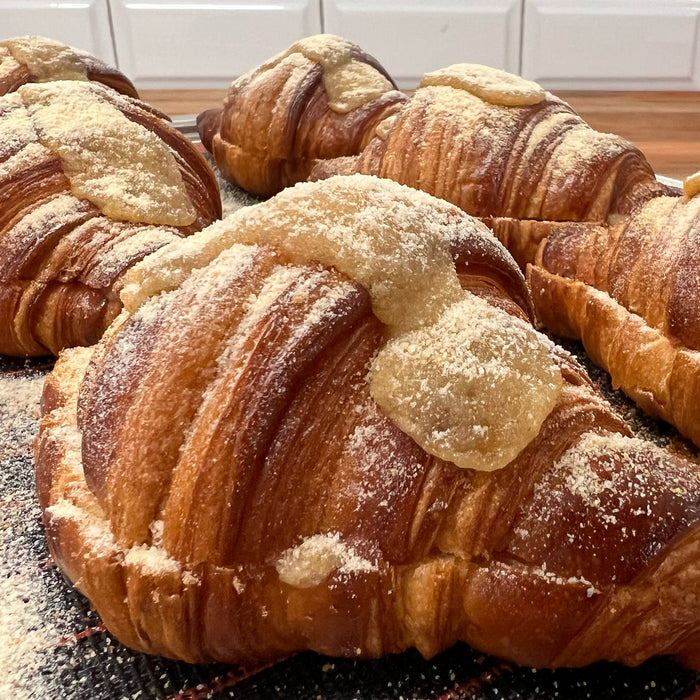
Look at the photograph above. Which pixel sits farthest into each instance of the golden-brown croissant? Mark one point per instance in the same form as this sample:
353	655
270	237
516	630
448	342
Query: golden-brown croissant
91	181
318	100
498	146
631	294
38	59
277	505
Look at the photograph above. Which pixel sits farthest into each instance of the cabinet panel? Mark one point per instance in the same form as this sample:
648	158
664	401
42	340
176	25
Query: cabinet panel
632	44
183	44
410	37
84	25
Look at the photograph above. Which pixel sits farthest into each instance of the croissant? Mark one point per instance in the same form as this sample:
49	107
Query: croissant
318	100
498	146
38	59
91	181
354	464
630	293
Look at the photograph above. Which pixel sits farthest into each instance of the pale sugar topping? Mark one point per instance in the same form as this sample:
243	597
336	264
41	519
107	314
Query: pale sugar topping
396	242
349	82
16	128
393	240
127	171
169	267
310	562
151	559
468	384
489	84
47	59
322	307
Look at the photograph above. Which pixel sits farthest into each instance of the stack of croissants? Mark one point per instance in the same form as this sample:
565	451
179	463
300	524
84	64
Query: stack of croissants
330	420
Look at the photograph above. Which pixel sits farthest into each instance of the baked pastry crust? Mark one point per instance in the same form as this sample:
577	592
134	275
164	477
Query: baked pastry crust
89	183
274	507
630	293
501	148
279	119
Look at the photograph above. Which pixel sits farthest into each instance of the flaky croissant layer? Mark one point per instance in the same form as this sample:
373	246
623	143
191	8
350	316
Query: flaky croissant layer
91	181
631	294
275	506
498	146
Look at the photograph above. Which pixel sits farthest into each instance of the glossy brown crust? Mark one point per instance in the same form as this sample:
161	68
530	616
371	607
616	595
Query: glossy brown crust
61	259
520	168
514	169
630	292
172	515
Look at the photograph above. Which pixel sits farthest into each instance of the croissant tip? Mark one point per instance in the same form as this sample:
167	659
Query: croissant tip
208	123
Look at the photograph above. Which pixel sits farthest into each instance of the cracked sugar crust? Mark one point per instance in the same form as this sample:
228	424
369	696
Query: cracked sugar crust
396	242
126	170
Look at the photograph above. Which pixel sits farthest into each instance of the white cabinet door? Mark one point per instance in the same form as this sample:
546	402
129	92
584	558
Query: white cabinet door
412	37
84	24
186	44
612	44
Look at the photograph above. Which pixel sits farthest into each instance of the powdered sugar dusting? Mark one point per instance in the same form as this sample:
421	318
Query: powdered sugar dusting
16	128
33	616
36	226
471	381
589	484
310	562
111	260
118	165
350	83
580	147
151	559
396	242
489	84
8	64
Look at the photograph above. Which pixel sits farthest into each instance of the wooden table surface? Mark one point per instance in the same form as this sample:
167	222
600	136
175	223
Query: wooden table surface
665	125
